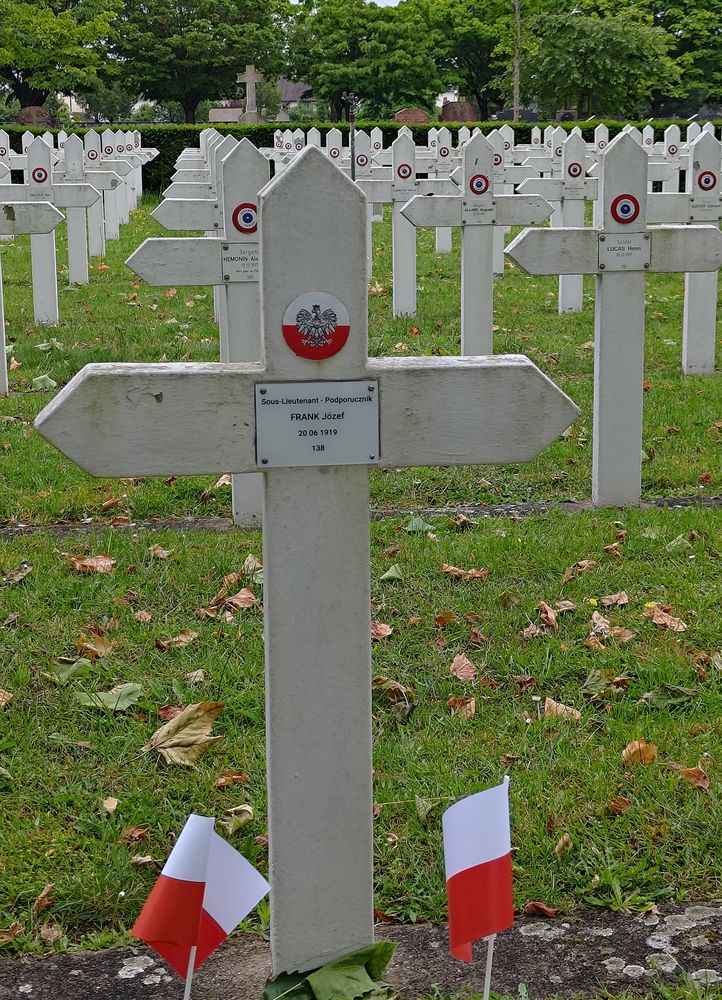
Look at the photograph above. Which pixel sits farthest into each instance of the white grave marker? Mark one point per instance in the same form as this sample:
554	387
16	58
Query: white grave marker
619	253
125	419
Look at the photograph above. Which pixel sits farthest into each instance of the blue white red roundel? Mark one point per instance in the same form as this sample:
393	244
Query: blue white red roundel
601	144
647	142
443	150
377	145
316	325
479	184
245	218
707	180
39	175
404	171
108	150
289	145
507	144
673	149
574	170
299	144
334	152
3	151
558	151
362	160
128	147
92	154
497	159
624	208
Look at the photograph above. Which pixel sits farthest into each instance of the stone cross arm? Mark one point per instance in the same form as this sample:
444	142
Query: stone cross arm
552	188
124	419
585	251
448	210
28	217
187	214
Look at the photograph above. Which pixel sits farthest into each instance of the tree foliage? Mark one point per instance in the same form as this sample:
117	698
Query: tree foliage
52	46
191	50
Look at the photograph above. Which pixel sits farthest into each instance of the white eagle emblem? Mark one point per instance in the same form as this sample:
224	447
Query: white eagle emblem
315	326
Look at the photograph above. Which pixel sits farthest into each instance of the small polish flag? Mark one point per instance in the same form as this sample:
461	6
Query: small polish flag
204	891
477	856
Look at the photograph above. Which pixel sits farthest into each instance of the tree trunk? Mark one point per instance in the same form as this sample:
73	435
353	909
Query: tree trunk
189	105
517	57
482	103
28	97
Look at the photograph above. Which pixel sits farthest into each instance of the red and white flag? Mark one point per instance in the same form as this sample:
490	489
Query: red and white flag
204	891
477	856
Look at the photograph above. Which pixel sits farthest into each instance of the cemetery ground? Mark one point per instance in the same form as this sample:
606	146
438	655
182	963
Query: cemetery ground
614	615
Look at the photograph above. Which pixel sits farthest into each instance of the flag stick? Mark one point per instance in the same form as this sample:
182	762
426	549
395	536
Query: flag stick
189	973
489	962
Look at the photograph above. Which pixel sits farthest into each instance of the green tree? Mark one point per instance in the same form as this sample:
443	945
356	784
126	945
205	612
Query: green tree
385	55
107	101
598	64
51	46
191	50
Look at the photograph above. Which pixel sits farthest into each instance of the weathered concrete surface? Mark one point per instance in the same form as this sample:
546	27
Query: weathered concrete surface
584	954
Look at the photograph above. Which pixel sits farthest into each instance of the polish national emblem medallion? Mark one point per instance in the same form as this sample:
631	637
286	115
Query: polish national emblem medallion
316	325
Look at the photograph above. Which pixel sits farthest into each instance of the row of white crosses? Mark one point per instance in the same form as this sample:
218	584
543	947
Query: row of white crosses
311	414
619	252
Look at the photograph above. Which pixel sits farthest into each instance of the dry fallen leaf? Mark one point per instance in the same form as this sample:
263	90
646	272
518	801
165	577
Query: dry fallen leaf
619	600
185	738
446	618
465	574
553	709
548	615
562	607
694	775
43	900
168	712
92	564
618	805
564	845
537	909
5	697
50	933
93	646
184	638
251	565
226	778
639	752
393	690
17	574
465	707
572	572
110	804
159	553
379	630
462	667
659	613
143	616
11	932
245	598
533	631
134	834
614	549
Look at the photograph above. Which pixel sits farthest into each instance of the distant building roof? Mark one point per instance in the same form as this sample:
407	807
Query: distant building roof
292	91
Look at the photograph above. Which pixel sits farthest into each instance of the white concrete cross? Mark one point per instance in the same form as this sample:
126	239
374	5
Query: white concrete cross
21	217
228	260
569	191
619	252
251	77
702	202
478	210
40	186
312	416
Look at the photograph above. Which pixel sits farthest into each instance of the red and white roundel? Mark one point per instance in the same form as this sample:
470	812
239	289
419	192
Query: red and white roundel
279	143
558	151
334	152
289	145
377	145
707	180
404	171
128	147
443	150
3	151
601	144
39	175
362	160
647	142
109	150
316	325
245	218
497	159
299	144
92	154
535	142
507	144
61	145
673	149
574	170
624	208
479	184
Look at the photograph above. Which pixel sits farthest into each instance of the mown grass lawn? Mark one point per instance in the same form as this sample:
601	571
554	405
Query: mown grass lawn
640	834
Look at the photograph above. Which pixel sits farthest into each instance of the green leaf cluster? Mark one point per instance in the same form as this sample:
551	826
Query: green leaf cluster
347	978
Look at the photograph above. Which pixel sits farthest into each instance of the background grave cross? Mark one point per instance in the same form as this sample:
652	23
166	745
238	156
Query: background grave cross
478	211
231	262
619	253
133	419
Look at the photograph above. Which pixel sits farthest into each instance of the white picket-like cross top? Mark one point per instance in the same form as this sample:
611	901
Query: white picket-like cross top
478	210
21	217
619	253
131	419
